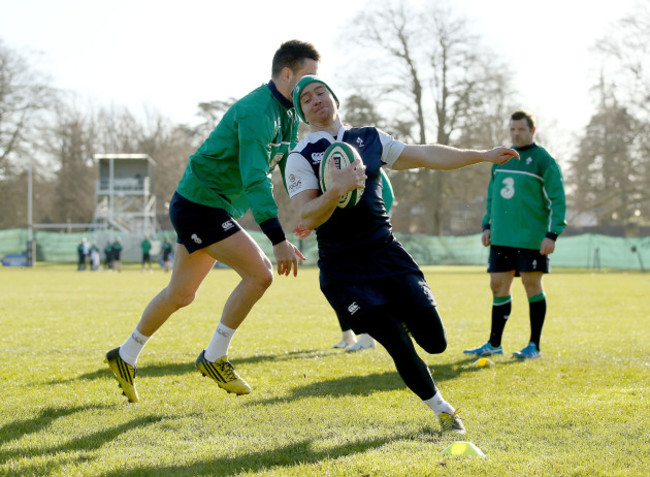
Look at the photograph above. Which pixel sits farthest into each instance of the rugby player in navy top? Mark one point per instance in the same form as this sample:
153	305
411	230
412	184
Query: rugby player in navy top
365	273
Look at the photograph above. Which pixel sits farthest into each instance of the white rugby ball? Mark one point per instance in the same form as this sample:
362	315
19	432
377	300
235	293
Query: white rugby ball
342	154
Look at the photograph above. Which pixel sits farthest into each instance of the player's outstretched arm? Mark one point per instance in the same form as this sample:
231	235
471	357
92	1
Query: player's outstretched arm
437	156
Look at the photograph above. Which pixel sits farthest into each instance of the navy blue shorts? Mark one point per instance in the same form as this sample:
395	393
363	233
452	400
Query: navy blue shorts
198	226
506	259
403	292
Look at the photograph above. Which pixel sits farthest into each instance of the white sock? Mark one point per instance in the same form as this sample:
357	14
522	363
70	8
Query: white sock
437	404
132	347
366	340
349	337
220	343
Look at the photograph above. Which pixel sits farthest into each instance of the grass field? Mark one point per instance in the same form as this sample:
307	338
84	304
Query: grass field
580	410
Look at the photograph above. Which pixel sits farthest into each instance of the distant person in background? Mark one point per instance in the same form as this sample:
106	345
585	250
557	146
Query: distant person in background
82	254
229	174
94	257
526	210
167	254
117	254
145	245
108	256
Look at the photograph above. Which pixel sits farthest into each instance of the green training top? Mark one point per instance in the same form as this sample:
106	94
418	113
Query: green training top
231	170
525	200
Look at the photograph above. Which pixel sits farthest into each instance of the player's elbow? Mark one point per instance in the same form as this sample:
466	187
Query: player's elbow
310	221
307	223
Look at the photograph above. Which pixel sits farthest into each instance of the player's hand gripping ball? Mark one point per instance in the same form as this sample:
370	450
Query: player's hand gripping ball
343	155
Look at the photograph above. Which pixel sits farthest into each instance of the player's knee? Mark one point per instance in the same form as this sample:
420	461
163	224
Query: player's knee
436	345
180	298
262	280
265	280
498	287
495	288
430	332
532	285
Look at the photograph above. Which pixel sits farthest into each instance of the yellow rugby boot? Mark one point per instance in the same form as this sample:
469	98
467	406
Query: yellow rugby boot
223	373
124	373
451	422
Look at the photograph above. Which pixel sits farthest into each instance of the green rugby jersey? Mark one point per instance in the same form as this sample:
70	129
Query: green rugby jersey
525	200
232	168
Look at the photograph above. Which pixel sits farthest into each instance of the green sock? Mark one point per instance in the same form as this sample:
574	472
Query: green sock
537	307
501	308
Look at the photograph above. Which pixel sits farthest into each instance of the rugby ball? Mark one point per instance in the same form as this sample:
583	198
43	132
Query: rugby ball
342	154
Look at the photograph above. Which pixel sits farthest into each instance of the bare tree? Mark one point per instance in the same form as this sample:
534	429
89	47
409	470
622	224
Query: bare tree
358	111
441	80
170	145
625	52
211	113
623	94
24	93
605	170
70	143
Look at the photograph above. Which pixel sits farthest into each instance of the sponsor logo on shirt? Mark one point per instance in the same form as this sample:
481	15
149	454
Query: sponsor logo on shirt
227	225
360	142
317	157
353	308
294	183
529	160
196	239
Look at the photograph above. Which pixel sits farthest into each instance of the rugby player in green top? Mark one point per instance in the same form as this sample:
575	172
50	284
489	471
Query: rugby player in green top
226	176
526	210
145	245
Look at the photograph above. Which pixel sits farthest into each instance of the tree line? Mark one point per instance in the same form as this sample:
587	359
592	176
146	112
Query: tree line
431	81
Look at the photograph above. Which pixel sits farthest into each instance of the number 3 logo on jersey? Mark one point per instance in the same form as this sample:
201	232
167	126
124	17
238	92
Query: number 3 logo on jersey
508	189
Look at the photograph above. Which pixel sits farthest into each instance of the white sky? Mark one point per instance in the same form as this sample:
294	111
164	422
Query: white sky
171	55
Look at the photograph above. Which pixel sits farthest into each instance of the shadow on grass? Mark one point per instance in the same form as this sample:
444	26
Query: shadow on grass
351	385
368	384
16	430
43	460
289	356
299	453
151	370
173	369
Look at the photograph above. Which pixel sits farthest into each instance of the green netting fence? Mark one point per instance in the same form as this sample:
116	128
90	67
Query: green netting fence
593	251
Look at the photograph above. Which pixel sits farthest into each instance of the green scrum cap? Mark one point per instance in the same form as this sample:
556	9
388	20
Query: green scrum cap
297	90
